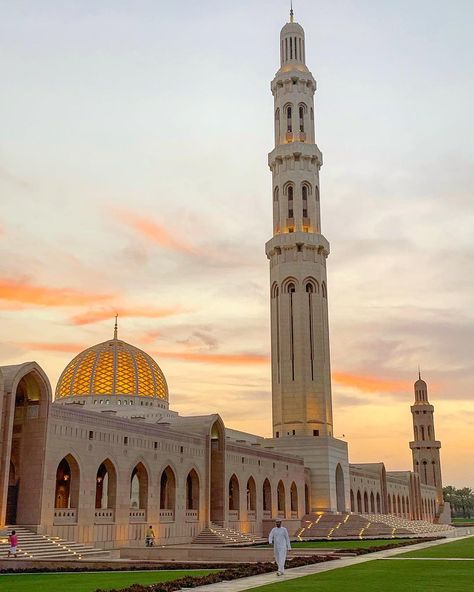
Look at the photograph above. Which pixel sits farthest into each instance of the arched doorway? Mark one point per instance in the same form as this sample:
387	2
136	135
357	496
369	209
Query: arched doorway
168	490
366	503
294	500
267	499
139	487
372	502
105	486
66	493
379	509
251	497
192	491
12	498
217	454
359	502
281	499
340	490
352	502
234	498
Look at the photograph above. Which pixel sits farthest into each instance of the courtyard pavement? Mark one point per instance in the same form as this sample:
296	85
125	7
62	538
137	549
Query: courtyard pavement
298	572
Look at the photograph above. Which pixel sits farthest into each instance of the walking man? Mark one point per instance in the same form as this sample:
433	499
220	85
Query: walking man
280	540
13	542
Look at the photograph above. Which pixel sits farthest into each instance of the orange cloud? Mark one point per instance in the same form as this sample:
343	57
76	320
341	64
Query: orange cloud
94	316
24	292
152	231
217	359
370	384
74	348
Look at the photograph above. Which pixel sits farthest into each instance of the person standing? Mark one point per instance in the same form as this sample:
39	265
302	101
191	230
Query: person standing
150	537
13	542
280	540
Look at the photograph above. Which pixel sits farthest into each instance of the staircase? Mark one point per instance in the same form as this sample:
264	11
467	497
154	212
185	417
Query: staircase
39	546
336	526
422	527
219	535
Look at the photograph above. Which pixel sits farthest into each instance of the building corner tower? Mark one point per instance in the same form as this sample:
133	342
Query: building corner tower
297	252
425	448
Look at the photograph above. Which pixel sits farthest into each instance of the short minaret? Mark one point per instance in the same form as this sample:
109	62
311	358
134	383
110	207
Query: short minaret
301	383
425	448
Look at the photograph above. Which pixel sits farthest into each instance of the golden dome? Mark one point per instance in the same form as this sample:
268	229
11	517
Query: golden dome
112	368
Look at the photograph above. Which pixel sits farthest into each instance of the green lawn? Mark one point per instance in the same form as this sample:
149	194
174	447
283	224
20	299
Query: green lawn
356	544
384	576
88	582
463	520
463	549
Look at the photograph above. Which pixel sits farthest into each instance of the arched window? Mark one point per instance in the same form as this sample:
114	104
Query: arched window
167	489
289	125
422	432
277	126
425	471
67	483
304	192
281	498
301	117
234	494
290	202
294	497
276	209
267	496
105	486
192	491
251	495
352	502
139	487
416	432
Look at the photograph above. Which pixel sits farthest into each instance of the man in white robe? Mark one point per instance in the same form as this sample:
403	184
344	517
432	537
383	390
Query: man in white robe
280	540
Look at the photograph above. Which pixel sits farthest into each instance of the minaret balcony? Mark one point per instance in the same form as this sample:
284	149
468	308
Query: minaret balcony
295	149
290	239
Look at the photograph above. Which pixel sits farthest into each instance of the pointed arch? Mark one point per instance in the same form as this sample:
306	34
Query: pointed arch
167	489
192	490
281	498
267	496
352	501
340	489
366	503
234	493
106	485
251	495
293	498
379	508
67	489
372	502
139	487
359	502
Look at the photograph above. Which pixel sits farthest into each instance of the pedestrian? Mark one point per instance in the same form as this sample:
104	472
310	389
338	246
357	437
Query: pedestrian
13	542
150	537
280	540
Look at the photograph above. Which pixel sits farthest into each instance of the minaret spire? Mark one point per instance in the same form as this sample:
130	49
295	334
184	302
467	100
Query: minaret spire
116	327
291	12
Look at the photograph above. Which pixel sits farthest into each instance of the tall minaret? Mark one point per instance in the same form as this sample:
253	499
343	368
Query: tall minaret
301	383
425	447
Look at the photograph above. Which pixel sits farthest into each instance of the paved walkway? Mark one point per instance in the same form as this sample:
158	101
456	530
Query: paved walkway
298	572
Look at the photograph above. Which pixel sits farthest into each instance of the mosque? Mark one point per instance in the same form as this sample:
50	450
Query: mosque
107	456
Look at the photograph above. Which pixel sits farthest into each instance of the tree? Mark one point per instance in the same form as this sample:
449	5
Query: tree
461	500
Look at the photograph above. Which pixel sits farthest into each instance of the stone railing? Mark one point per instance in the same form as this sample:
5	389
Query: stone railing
294	514
65	516
251	515
104	516
166	515
192	515
267	514
233	515
137	516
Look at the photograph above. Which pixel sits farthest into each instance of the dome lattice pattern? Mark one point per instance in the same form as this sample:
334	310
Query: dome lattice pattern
112	368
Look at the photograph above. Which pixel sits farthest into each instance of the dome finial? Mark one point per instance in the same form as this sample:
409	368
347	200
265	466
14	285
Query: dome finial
419	372
116	327
291	11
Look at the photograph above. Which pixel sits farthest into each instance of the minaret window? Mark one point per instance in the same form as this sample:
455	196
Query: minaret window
309	291
290	202
301	114
277	126
416	433
291	290
305	201
316	193
291	48
422	432
289	125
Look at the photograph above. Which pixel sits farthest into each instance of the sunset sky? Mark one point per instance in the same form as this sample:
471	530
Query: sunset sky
134	179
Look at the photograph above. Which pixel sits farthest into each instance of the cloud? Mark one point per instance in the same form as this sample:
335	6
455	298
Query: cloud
102	314
370	384
216	359
199	338
24	292
54	346
152	231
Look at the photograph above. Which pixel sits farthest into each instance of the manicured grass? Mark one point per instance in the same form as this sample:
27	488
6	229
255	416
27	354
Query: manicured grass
356	544
88	582
463	520
462	549
384	576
